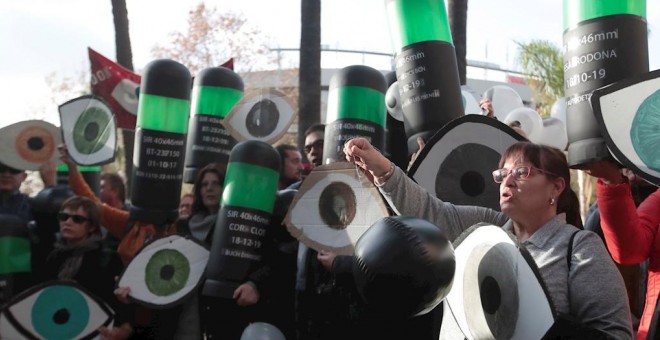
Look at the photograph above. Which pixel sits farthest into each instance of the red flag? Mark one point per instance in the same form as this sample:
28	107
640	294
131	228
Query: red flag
117	86
229	64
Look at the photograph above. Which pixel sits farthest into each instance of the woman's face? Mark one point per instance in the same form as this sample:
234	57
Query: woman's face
211	190
74	225
525	191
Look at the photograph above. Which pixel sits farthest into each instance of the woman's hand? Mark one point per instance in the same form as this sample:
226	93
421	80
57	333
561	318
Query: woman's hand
608	171
116	333
122	294
246	294
326	258
65	158
360	152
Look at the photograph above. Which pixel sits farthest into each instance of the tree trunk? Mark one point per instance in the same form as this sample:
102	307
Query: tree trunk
125	59
457	13
309	77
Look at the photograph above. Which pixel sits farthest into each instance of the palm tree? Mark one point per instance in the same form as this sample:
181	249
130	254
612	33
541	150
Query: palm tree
542	62
457	14
309	78
125	59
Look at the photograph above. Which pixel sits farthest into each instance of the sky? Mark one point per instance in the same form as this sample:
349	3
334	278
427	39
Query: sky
42	37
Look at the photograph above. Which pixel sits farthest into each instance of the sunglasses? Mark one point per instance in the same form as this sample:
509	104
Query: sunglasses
62	216
519	173
317	144
4	168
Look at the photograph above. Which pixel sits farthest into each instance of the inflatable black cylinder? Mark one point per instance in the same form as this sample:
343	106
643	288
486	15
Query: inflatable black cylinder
356	108
396	148
604	42
215	92
15	257
160	141
245	213
426	67
404	266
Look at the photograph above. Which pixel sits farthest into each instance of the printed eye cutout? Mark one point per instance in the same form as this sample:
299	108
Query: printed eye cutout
333	208
393	102
456	164
497	292
470	100
89	130
28	144
54	310
263	114
165	271
126	95
504	100
628	114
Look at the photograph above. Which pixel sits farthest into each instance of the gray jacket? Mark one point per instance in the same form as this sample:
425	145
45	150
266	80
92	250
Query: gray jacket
592	291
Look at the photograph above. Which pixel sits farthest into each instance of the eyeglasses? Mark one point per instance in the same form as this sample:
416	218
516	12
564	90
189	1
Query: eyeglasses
62	216
317	144
519	173
4	168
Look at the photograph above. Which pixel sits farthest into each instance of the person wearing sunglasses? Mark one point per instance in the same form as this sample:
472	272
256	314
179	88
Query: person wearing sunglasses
79	255
534	180
12	201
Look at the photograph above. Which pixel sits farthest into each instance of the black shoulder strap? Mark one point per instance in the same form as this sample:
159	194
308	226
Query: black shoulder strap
569	252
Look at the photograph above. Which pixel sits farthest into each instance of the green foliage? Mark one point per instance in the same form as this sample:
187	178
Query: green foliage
543	63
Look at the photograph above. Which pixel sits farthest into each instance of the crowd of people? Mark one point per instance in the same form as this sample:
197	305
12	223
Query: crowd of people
311	295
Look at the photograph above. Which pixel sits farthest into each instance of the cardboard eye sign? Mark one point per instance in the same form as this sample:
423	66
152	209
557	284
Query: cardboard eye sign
89	130
28	144
333	208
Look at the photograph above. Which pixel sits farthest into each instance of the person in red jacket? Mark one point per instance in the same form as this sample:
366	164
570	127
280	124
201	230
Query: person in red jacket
629	231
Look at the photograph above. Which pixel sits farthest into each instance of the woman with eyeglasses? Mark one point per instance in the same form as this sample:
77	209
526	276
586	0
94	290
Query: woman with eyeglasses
80	256
533	180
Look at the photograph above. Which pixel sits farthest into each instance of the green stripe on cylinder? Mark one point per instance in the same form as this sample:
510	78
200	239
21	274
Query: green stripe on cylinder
163	113
15	255
413	21
214	100
94	168
576	11
248	185
356	103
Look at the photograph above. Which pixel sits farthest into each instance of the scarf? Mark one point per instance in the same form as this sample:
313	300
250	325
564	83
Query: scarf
73	254
200	224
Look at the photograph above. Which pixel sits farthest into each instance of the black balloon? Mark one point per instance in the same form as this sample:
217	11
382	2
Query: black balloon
404	266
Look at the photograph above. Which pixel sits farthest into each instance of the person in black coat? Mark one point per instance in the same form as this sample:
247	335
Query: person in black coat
80	256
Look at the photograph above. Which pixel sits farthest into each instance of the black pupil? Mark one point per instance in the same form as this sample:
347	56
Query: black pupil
61	316
490	295
166	272
91	131
35	143
472	183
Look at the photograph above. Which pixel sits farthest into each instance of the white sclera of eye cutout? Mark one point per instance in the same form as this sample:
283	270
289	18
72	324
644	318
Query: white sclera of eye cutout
618	110
124	94
393	102
530	121
56	301
504	100
236	120
134	275
304	219
73	114
468	132
535	315
470	103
